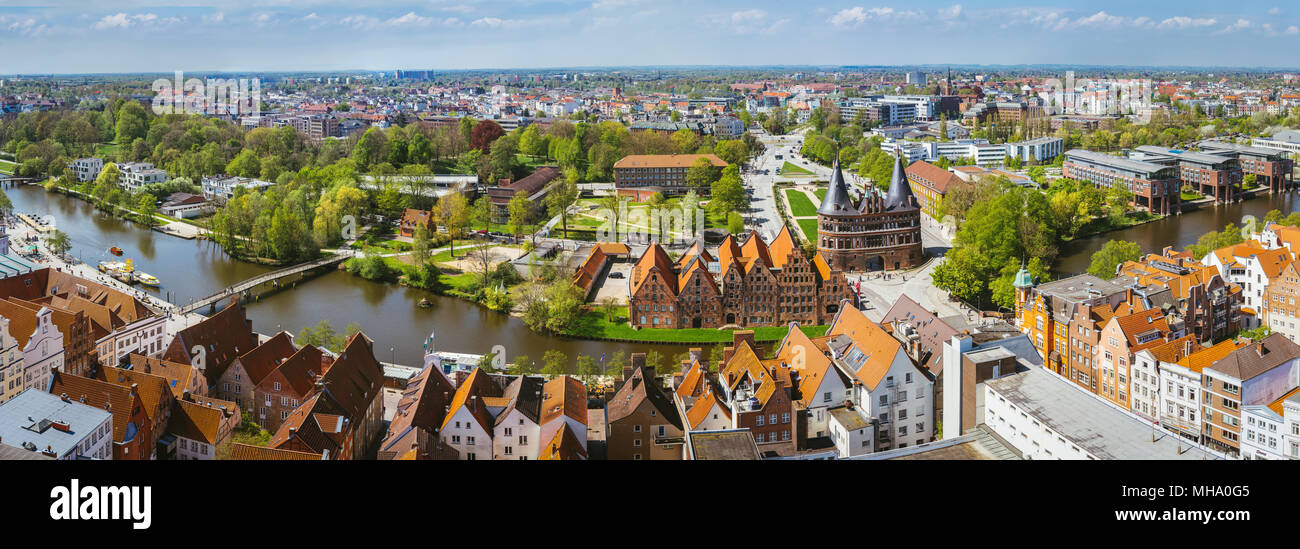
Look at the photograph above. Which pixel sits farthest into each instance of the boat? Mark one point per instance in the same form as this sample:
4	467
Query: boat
115	251
111	267
146	279
124	276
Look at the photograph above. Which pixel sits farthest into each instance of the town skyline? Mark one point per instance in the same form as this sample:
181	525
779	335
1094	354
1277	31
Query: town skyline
326	35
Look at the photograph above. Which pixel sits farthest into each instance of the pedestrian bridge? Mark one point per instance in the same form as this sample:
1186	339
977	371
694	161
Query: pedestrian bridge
211	301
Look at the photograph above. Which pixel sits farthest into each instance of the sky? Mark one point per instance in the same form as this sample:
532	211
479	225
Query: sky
81	36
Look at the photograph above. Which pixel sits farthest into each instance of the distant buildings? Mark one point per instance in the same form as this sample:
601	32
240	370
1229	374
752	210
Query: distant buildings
1209	174
186	205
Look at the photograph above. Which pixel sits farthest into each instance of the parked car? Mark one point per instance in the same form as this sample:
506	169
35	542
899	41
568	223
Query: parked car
615	274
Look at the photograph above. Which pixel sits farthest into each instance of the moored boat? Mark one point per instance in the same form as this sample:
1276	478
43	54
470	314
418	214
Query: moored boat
146	279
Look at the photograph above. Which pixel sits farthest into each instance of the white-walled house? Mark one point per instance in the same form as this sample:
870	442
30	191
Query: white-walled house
468	425
42	350
11	363
821	385
1261	433
1250	266
887	385
516	430
852	433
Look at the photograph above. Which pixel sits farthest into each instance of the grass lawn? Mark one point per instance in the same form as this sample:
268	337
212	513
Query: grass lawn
809	228
105	149
800	206
1188	197
594	324
791	169
821	194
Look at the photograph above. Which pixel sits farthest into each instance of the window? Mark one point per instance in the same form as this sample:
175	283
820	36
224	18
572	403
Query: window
636	428
277	385
826	397
759	420
469	440
785	417
523	440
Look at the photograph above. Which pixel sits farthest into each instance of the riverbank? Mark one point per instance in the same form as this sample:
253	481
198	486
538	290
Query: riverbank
597	325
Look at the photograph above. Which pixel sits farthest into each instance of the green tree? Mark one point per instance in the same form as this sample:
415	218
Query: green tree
729	192
555	363
701	175
735	223
1113	254
560	199
59	243
145	207
520	211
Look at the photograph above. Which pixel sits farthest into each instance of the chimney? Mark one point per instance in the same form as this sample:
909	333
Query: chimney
696	353
742	335
1188	352
726	354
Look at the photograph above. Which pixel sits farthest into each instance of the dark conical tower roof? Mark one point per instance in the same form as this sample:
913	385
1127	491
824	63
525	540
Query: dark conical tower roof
837	201
900	191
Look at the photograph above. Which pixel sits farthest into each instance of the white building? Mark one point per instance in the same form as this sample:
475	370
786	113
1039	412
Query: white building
222	187
11	364
1045	416
87	169
1291	433
516	430
1249	266
58	427
852	433
139	174
1041	149
146	336
888	386
1262	431
42	351
822	385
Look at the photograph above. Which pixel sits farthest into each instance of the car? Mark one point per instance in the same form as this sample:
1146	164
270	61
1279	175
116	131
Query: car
481	231
616	274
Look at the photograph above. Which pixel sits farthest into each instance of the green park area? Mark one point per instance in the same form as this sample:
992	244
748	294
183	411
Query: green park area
809	228
791	169
800	205
598	324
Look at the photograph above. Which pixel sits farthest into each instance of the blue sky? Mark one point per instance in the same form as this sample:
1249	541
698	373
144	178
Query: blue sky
193	35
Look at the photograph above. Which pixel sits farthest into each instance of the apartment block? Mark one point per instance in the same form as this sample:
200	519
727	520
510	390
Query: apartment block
1155	187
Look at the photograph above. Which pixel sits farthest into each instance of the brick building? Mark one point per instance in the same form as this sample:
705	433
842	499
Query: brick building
929	183
1155	187
664	173
746	284
878	232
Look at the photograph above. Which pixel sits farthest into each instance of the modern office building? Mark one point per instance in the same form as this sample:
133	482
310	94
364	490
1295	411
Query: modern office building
1155	187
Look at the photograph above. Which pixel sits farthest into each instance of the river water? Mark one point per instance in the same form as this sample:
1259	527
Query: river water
387	313
1176	230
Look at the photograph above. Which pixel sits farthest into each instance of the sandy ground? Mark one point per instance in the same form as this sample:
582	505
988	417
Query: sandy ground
498	254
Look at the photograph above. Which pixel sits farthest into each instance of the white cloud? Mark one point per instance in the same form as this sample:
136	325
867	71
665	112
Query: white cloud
1292	30
950	12
748	16
1274	11
217	17
1182	22
410	19
25	27
1239	25
613	4
854	17
122	20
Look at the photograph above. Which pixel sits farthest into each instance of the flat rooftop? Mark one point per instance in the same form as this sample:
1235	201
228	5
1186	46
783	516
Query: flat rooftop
1238	148
735	444
1190	156
1095	426
1115	161
1079	287
16	428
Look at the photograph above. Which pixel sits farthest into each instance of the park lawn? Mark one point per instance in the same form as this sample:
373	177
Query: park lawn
105	149
821	194
800	206
593	324
809	228
1188	197
792	169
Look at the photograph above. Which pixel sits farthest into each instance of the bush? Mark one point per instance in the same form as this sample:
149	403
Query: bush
371	267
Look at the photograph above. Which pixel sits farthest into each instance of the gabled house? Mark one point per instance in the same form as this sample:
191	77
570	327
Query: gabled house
468	425
285	386
239	380
818	385
887	386
758	392
516	429
563	419
340	417
155	396
212	344
131	425
181	378
418	418
641	421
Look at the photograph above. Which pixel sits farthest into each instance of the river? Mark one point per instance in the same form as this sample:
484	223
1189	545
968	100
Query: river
1178	231
387	313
